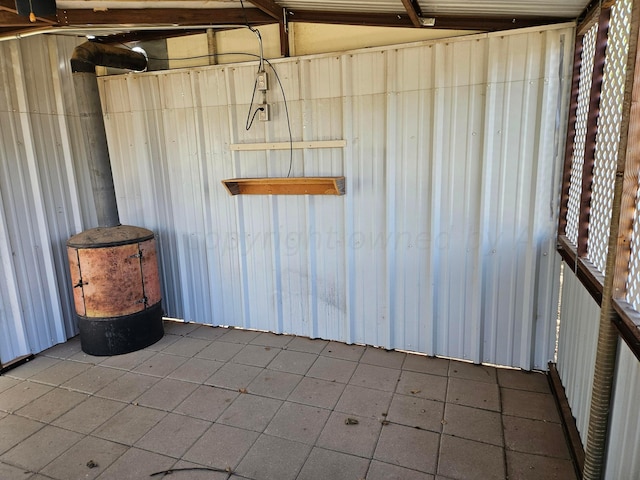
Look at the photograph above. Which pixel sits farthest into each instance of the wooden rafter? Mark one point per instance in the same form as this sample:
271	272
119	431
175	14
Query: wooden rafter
269	7
413	10
130	17
9	17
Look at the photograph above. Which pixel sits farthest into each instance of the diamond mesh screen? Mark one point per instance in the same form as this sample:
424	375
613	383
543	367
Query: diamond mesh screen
577	157
633	282
608	135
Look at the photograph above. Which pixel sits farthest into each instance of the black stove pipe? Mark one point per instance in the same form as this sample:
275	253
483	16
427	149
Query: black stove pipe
84	60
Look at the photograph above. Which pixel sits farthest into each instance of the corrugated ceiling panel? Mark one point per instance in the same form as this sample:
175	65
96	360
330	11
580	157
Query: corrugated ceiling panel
40	202
579	321
624	430
444	241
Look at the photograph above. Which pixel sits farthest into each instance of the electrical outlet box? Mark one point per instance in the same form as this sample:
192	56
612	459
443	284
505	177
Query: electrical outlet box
262	81
264	114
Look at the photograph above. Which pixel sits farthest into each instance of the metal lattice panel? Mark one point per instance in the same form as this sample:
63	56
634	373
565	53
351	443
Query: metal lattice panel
582	112
633	281
608	136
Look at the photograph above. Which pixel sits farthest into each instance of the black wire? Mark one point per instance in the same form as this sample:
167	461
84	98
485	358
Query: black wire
247	124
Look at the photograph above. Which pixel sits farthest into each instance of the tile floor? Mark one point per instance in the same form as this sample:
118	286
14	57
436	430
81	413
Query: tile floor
273	407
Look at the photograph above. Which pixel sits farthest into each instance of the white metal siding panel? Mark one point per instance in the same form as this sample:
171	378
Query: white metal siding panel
40	204
443	243
579	321
624	430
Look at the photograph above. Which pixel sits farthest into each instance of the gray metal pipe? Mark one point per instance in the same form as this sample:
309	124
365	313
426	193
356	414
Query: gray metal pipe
83	65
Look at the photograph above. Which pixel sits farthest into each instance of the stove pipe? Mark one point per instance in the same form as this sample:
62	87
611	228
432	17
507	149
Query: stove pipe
114	268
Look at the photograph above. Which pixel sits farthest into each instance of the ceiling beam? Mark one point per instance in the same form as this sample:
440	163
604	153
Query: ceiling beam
269	7
10	6
8	19
414	12
129	18
485	24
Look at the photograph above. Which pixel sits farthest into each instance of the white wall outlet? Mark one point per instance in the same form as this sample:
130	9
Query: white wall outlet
262	81
264	113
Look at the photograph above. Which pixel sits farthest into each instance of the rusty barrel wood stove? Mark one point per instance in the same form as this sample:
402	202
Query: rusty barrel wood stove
116	289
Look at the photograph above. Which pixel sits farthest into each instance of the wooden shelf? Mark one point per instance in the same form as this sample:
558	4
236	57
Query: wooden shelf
286	186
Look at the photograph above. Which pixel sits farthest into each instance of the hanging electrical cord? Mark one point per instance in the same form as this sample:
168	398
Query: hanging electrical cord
249	121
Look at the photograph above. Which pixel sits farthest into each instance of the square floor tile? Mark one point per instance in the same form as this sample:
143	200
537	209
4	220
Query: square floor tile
461	458
418	412
14	473
137	464
221	446
385	471
250	412
163	342
173	435
6	383
15	429
300	423
172	327
89	415
128	361
256	355
317	393
75	463
64	350
408	447
474	394
534	436
343	351
41	448
167	394
523	466
60	373
537	406
186	346
196	370
206	402
160	365
130	424
207	332
86	358
272	340
21	394
292	362
273	458
236	335
473	424
471	371
522	380
234	376
308	345
355	439
271	383
383	358
424	385
128	387
93	379
51	405
372	376
365	402
30	368
220	351
332	369
426	364
324	464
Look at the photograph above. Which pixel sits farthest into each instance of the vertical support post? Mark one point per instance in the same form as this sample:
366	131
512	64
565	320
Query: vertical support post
608	335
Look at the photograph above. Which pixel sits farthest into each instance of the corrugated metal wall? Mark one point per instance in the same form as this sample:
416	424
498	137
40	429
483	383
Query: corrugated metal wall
41	204
624	429
579	322
444	242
